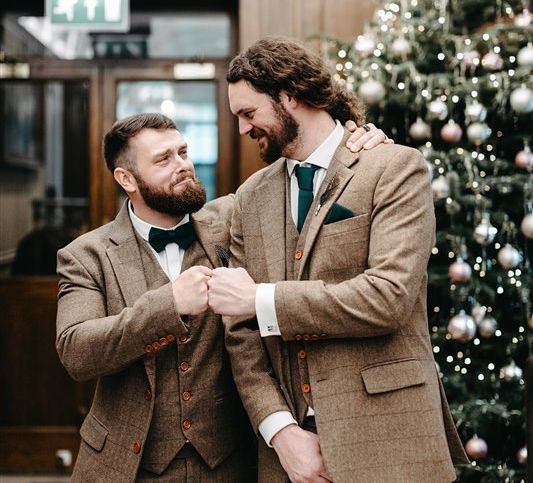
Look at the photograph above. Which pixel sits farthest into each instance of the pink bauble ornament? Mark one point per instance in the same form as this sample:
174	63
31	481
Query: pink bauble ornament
478	312
451	132
460	271
462	327
492	61
476	448
524	158
509	257
523	19
526	227
471	58
487	327
521	455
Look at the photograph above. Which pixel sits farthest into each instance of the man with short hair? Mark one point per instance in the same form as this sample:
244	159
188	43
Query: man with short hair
327	326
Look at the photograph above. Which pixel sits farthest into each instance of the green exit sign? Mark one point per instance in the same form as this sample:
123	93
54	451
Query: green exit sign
98	15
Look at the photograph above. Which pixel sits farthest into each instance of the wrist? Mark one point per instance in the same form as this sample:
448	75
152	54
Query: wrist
283	433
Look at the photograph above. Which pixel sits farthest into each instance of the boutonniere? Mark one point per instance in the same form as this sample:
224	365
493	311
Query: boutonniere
327	193
223	255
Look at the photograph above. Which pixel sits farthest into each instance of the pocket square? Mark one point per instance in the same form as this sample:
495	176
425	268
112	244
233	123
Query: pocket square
338	213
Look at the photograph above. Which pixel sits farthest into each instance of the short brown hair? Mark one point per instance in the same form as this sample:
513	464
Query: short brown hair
116	141
276	64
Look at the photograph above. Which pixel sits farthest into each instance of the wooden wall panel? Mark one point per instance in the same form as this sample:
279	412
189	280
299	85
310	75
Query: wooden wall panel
299	19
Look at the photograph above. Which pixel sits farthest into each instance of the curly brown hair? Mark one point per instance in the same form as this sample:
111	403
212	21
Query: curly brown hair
276	64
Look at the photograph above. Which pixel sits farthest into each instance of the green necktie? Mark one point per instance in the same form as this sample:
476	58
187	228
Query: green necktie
304	175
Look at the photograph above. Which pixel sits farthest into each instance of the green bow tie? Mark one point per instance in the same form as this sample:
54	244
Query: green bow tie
183	235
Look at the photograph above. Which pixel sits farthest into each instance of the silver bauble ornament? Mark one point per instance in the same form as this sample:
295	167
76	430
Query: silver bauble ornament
478	312
462	327
487	326
475	112
364	45
420	130
471	58
476	448
522	100
525	56
485	232
509	257
521	455
440	188
371	91
524	158
523	19
437	109
492	61
460	271
478	132
511	372
401	47
451	132
526	227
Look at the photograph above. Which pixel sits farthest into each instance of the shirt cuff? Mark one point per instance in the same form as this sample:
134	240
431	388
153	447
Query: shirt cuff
274	423
265	309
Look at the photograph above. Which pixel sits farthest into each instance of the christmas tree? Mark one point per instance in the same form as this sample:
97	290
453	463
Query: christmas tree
453	79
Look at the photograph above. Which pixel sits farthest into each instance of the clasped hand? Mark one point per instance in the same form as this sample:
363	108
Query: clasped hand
226	291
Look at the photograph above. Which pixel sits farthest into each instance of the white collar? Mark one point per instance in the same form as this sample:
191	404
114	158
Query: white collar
322	155
143	228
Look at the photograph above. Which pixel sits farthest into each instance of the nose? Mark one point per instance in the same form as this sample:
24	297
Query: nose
244	126
183	164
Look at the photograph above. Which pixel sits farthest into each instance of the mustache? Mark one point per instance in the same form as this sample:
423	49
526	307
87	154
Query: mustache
256	133
184	175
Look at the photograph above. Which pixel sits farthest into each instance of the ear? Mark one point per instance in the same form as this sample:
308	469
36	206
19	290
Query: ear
288	101
125	179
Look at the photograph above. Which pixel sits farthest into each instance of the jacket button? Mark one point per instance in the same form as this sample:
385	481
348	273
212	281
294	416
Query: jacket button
323	336
306	337
148	348
298	337
147	394
163	341
170	338
183	338
186	395
302	354
186	424
314	337
306	388
136	447
156	345
298	254
184	366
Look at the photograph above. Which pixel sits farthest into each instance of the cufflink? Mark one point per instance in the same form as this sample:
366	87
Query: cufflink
270	328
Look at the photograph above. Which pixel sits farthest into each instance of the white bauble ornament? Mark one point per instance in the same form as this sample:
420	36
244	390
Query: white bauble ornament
492	61
437	109
487	326
460	271
524	158
476	448
525	56
485	232
478	132
526	227
420	130
475	112
401	47
364	45
462	327
440	188
521	455
511	372
522	100
371	91
471	58
478	312
509	257
451	132
523	19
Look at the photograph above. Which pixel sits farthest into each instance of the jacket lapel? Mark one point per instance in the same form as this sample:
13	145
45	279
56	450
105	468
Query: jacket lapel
210	232
337	177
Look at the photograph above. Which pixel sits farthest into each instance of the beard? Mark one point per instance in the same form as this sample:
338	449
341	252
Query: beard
191	199
283	134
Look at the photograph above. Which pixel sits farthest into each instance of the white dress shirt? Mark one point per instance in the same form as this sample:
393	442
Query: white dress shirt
265	306
171	257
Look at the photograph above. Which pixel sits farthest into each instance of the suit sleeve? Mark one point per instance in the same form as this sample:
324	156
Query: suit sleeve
379	300
259	389
91	343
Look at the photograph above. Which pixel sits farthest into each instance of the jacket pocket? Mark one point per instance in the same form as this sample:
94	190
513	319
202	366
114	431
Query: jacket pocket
392	375
94	433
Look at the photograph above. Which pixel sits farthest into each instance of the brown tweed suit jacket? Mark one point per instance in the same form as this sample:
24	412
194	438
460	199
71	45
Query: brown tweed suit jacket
358	305
117	322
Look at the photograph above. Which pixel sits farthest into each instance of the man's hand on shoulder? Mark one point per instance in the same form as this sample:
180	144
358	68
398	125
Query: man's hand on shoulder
299	454
366	136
